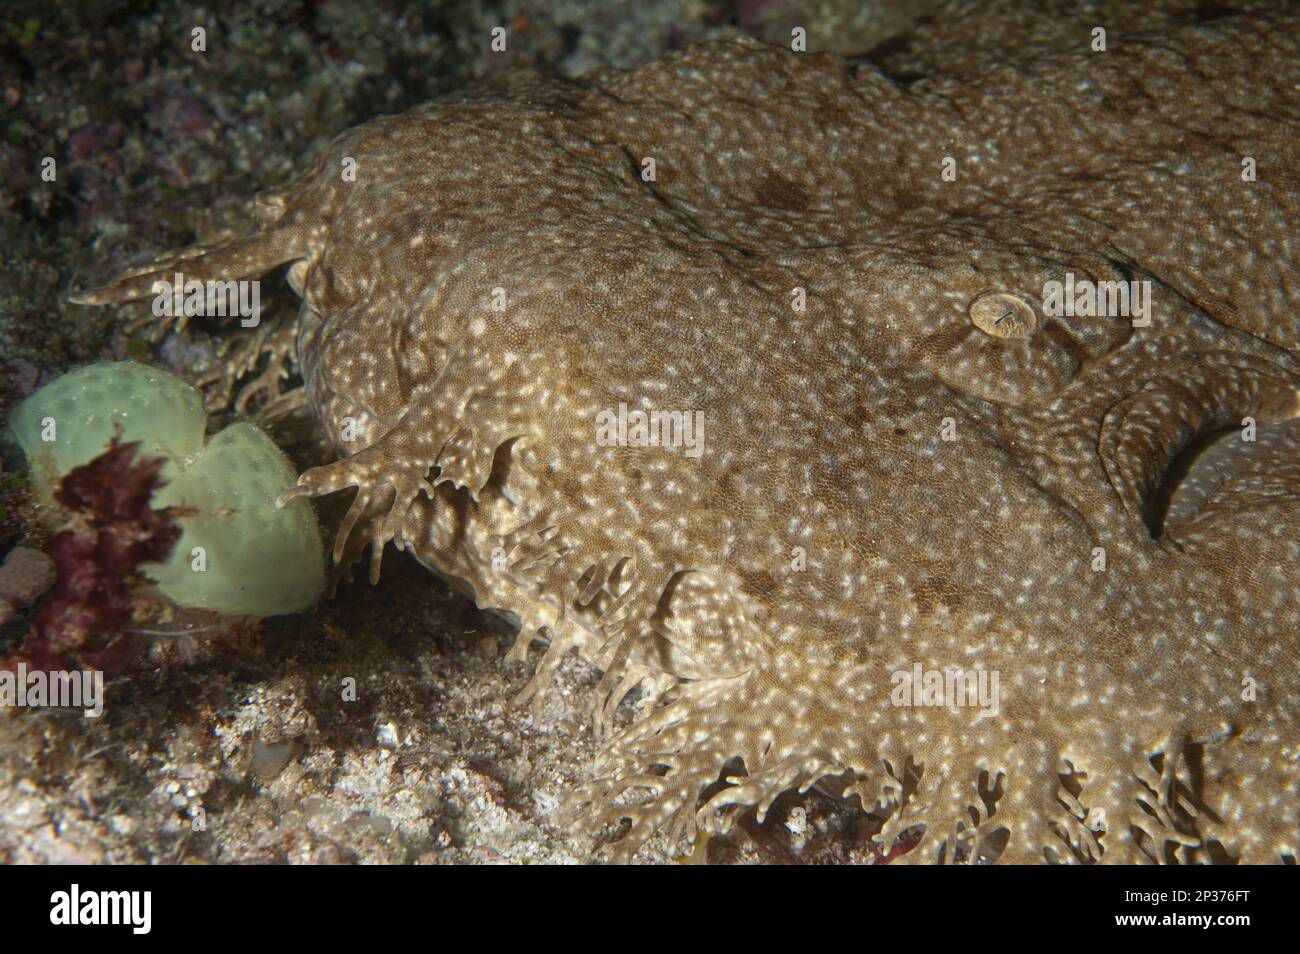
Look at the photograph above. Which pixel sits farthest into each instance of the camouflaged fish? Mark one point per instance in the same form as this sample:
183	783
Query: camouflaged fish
934	440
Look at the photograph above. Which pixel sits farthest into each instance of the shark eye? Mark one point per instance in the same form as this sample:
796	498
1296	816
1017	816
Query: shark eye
1001	315
986	331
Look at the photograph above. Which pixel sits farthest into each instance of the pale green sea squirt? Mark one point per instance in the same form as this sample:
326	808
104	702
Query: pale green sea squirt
238	554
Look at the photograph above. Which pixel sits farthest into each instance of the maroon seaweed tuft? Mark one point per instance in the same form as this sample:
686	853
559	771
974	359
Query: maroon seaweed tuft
112	530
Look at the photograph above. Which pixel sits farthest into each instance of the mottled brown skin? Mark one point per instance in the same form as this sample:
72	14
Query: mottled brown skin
762	594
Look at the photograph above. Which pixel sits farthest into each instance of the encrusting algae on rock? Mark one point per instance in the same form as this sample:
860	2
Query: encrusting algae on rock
889	478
